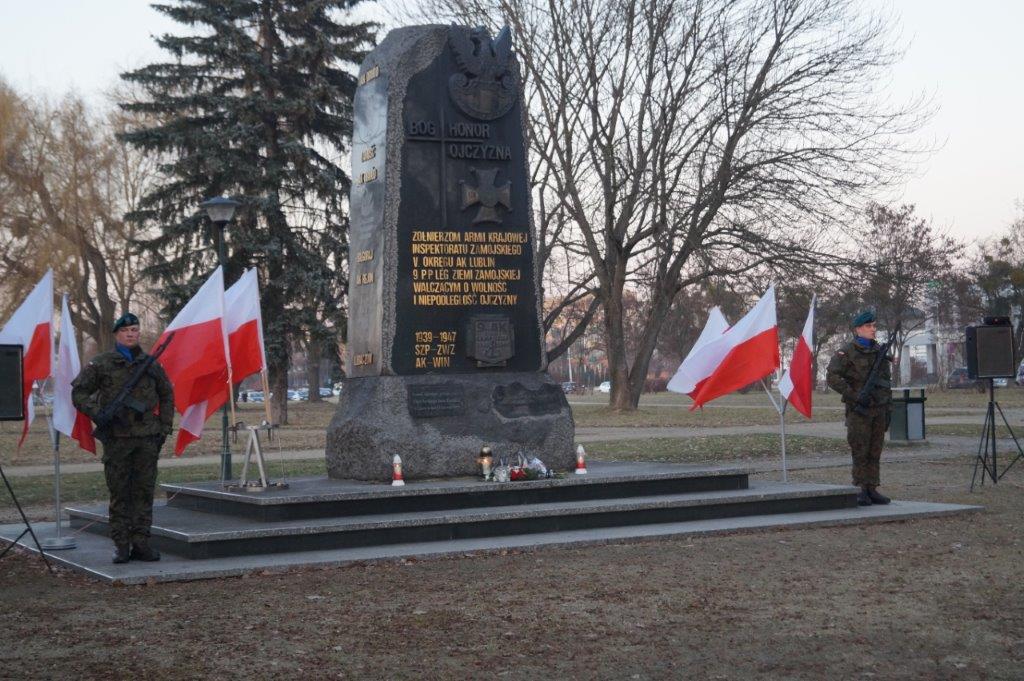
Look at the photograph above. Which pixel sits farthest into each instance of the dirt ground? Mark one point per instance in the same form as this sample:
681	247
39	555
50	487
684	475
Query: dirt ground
939	598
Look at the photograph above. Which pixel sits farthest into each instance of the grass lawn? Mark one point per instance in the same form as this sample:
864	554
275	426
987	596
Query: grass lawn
715	448
937	598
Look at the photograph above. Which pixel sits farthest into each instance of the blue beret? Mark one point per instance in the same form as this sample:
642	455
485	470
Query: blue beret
865	317
127	319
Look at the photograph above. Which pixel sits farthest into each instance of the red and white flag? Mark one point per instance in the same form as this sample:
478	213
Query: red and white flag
67	419
705	356
31	327
797	385
244	324
196	361
753	352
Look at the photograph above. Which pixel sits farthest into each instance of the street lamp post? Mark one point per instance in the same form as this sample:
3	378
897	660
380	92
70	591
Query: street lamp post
221	210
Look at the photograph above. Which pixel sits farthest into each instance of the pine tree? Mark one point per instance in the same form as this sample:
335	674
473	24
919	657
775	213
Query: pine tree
256	105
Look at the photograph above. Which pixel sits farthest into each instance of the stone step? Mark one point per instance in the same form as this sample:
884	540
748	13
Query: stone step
321	497
201	535
92	555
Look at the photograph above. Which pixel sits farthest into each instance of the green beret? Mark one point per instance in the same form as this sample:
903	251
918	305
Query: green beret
127	319
865	317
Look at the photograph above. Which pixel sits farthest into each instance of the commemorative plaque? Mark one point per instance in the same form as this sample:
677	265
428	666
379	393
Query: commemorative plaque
443	295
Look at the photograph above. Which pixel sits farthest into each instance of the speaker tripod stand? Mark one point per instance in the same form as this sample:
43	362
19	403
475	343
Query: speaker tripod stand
28	526
987	445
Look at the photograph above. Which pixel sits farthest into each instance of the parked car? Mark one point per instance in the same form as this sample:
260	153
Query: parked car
293	396
568	387
303	393
255	396
1000	382
325	392
605	387
1020	373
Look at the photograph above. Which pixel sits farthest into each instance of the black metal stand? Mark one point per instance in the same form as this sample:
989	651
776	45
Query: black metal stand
28	525
987	444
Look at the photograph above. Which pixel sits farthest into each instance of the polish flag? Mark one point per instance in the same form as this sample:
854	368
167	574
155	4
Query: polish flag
244	324
196	361
67	419
753	352
797	385
705	356
31	327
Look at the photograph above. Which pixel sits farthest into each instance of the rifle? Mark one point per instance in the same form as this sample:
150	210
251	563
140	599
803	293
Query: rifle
864	396
110	412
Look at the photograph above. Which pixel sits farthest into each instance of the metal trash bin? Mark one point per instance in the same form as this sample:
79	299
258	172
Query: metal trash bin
907	415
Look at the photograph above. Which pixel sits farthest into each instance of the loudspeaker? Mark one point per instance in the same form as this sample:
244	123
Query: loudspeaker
989	351
12	399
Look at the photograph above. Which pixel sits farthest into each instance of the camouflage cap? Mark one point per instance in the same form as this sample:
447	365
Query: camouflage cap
865	317
127	319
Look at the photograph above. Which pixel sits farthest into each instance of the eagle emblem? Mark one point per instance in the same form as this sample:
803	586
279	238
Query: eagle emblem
486	87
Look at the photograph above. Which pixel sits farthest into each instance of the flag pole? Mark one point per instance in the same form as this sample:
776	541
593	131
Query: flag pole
782	430
781	409
57	541
231	397
266	394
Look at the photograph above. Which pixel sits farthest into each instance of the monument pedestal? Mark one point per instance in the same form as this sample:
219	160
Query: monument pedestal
438	423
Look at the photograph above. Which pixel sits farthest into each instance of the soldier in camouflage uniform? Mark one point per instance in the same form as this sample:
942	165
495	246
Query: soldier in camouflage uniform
847	373
132	445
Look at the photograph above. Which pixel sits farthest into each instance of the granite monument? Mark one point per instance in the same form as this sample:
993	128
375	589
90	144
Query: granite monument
445	342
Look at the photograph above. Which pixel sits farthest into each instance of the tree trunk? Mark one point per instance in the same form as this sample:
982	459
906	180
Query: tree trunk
313	370
278	380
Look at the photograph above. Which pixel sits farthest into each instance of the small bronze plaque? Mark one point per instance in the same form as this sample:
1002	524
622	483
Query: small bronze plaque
491	340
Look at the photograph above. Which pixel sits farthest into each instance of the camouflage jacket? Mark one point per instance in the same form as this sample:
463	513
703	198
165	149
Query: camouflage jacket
848	372
102	379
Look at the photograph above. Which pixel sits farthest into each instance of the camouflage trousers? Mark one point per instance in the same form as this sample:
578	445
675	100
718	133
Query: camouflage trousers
129	464
866	435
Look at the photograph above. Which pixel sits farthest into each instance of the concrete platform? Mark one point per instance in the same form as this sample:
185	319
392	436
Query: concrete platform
200	535
92	556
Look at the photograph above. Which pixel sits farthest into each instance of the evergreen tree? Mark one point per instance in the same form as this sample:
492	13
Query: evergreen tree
256	104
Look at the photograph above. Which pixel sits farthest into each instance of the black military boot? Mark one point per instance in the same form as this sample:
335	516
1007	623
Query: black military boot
122	553
877	498
141	550
863	497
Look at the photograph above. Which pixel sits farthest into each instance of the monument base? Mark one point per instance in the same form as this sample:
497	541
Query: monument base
438	424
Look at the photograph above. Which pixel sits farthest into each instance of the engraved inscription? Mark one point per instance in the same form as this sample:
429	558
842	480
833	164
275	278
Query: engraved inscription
363	359
368	176
435	400
517	400
364	256
364	278
369	154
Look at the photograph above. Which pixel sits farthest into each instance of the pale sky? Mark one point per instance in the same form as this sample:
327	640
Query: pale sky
966	56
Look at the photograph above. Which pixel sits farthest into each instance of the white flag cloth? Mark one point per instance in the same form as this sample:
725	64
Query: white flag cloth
67	419
31	327
797	384
244	324
752	346
196	361
704	357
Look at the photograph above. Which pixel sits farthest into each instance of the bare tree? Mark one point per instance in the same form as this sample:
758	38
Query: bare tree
68	181
906	263
700	138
